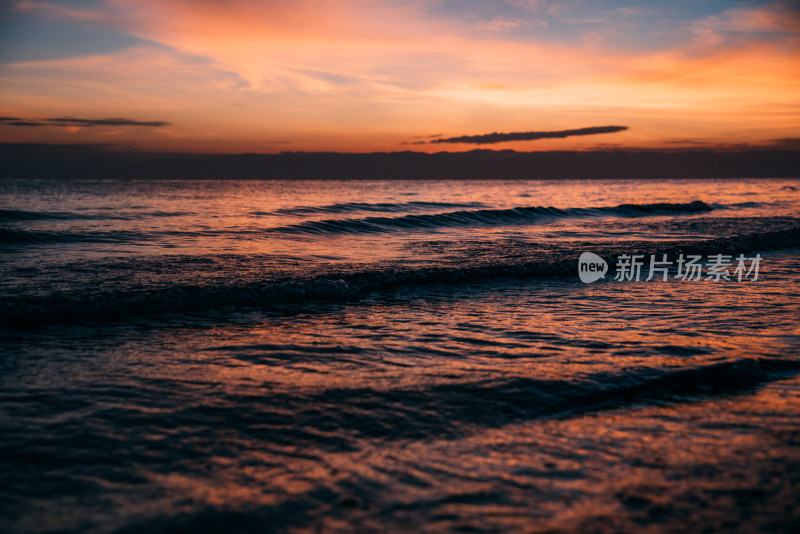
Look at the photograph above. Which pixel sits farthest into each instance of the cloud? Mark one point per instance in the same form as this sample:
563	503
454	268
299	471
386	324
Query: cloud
70	121
787	142
358	75
529	136
16	121
687	141
88	12
105	122
738	23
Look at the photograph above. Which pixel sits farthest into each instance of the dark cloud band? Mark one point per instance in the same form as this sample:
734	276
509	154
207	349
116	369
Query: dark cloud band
529	136
69	121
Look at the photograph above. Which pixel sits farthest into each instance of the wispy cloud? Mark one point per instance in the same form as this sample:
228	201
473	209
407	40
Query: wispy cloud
745	22
529	136
362	74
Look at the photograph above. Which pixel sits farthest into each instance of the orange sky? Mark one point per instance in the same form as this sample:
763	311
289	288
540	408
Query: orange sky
268	76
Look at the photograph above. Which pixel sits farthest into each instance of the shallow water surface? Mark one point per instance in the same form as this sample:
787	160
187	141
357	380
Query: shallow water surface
393	355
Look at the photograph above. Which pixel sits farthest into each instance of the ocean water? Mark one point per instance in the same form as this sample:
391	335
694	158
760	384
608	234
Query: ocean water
353	356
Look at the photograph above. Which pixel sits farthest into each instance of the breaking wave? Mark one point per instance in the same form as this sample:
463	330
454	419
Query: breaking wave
483	217
383	207
344	285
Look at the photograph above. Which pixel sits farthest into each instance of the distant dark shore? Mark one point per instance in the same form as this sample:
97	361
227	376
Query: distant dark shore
81	161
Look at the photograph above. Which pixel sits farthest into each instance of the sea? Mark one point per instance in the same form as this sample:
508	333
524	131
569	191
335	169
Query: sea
399	356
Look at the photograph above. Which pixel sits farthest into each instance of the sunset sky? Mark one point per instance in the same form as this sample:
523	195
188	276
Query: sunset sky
356	76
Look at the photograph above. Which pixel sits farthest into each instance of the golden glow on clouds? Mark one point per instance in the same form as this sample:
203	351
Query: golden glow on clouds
358	76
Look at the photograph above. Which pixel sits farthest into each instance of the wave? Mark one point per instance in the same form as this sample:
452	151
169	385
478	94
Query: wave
18	236
482	217
8	235
343	286
455	409
368	225
350	207
750	204
499	403
25	215
15	236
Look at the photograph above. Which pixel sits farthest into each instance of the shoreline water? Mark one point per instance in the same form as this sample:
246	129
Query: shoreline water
208	373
